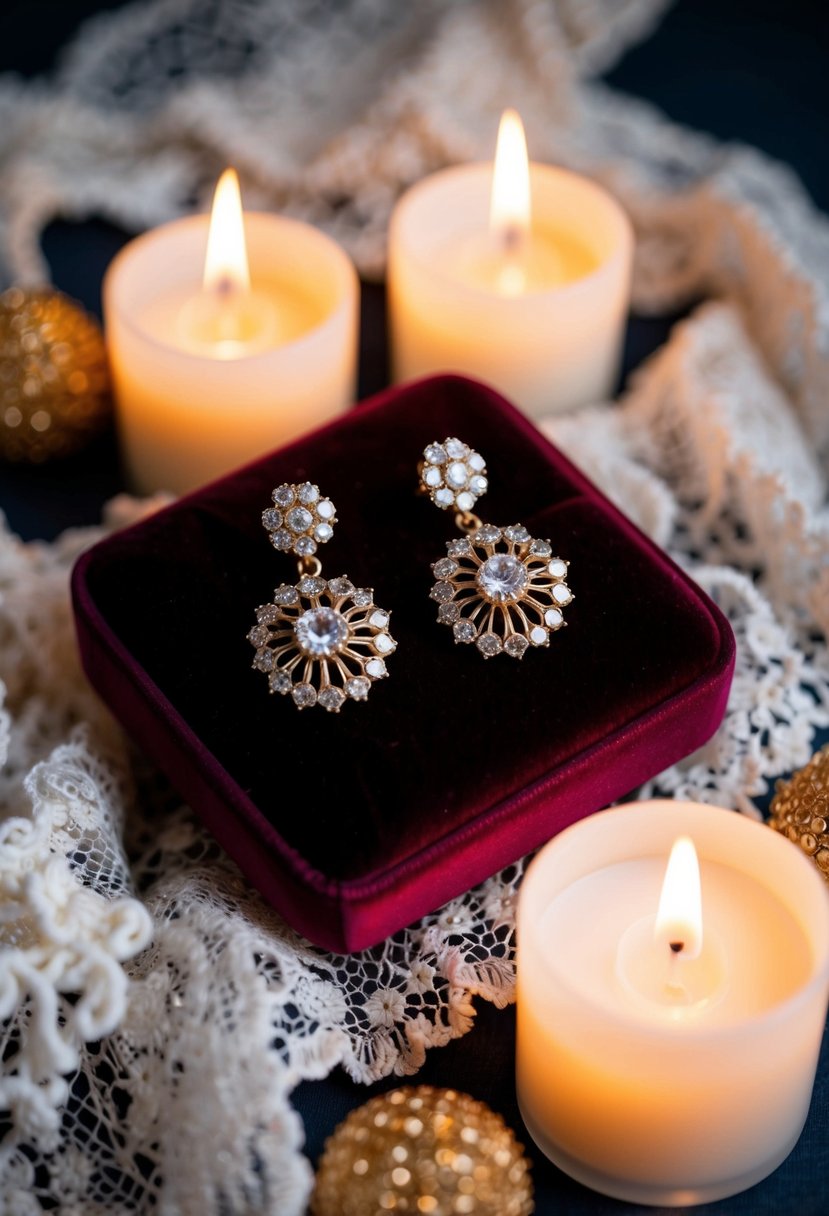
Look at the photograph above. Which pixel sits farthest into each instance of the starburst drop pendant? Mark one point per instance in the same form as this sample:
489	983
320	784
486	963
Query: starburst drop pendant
500	589
321	641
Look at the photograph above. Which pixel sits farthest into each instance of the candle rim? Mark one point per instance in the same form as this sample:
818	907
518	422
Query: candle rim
780	1011
348	285
623	252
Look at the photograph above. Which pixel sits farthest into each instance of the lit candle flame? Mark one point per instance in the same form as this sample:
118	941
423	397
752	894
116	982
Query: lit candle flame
679	918
509	209
226	261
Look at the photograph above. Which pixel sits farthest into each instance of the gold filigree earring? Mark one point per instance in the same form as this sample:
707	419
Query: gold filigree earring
500	588
322	641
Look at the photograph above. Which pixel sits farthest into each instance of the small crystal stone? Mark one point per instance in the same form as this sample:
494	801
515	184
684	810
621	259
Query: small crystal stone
308	493
476	462
321	632
553	618
271	519
444	497
280	682
464	631
331	699
309	584
379	619
561	593
325	509
502	578
340	586
298	519
457	474
286	594
540	548
539	636
304	695
363	597
385	643
447	613
283	496
442	592
323	532
268	614
435	454
517	533
465	501
456	450
263	660
478	485
487	534
489	644
432	477
445	568
515	645
460	547
376	668
558	568
281	540
358	688
305	546
259	635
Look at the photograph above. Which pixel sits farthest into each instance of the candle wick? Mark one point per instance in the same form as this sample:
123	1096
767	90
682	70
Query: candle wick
512	238
225	287
674	986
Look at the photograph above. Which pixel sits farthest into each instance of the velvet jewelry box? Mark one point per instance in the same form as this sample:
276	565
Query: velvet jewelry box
354	824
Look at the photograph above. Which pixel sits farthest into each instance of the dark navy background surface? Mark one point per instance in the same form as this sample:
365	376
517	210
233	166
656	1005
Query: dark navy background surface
757	72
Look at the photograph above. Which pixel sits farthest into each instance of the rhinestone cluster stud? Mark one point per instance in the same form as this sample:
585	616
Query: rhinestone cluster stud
300	519
453	475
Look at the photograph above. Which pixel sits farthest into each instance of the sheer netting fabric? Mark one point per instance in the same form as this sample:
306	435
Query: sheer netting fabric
156	1014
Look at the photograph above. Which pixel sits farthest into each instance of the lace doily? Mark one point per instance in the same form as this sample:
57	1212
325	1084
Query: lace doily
156	1013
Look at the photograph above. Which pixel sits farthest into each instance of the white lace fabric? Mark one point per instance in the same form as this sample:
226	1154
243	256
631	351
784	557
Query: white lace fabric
156	1013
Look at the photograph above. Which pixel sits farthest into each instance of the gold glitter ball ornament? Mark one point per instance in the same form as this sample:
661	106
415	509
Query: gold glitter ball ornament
54	376
800	809
422	1149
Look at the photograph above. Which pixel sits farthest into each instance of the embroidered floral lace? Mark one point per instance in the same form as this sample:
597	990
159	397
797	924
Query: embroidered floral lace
144	988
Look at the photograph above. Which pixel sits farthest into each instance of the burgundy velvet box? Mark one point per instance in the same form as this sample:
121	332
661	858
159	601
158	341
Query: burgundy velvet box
354	824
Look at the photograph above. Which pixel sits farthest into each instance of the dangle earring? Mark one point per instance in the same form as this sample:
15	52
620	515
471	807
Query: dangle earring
322	641
500	588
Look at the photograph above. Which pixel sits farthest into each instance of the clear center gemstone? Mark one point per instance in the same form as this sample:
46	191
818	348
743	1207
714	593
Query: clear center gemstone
299	519
321	632
502	578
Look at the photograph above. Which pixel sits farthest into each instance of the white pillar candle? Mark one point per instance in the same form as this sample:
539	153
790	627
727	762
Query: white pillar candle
211	368
529	294
649	1076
